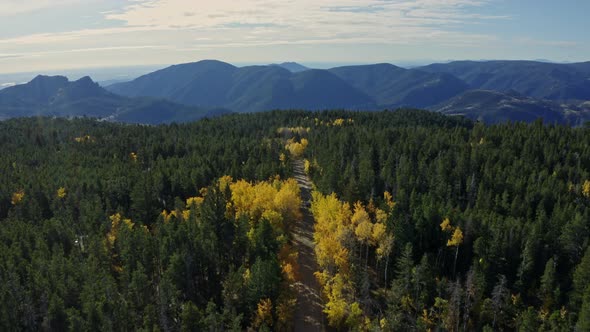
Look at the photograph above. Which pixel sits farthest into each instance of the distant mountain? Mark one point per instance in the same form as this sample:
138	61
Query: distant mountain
293	67
392	86
496	107
534	79
111	82
493	91
57	96
211	83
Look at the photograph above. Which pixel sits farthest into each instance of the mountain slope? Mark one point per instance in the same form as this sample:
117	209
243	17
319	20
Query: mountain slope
56	96
392	86
246	89
293	67
496	107
534	79
165	82
211	84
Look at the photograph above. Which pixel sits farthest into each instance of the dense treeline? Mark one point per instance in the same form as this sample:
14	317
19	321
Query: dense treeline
435	222
107	227
490	225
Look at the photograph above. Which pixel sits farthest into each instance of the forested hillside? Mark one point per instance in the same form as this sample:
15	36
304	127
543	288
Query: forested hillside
422	222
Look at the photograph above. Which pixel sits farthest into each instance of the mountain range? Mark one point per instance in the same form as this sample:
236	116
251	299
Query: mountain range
57	96
490	91
497	107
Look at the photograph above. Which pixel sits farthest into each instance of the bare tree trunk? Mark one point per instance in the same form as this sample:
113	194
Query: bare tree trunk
455	263
367	257
386	265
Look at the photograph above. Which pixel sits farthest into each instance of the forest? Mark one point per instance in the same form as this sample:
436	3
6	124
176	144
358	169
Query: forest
422	222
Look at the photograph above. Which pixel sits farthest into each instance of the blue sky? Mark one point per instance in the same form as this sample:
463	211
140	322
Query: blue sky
42	35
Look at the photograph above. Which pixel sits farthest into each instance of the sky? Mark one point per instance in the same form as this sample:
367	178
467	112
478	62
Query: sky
43	35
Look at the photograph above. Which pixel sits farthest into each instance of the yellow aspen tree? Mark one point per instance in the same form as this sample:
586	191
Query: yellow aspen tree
446	225
389	200
61	193
384	249
263	314
379	232
456	239
287	200
197	201
264	195
586	188
17	197
336	307
363	227
242	196
338	122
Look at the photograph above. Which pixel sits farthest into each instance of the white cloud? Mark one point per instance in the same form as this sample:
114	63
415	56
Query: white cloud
161	27
15	7
259	22
285	21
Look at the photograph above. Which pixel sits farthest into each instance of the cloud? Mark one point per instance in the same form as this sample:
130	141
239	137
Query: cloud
266	22
9	56
163	28
15	7
81	50
296	21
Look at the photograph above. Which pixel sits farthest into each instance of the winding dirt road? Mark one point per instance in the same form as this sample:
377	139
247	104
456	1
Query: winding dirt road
309	314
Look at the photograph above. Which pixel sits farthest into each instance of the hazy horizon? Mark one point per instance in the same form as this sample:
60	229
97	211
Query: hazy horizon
43	35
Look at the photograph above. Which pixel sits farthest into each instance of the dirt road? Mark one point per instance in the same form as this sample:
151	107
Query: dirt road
309	314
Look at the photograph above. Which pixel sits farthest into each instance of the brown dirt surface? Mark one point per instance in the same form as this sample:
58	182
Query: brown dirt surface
309	314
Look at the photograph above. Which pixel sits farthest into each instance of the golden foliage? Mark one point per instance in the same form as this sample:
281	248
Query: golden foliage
61	193
17	197
85	139
224	182
381	216
446	225
287	200
133	156
379	233
336	307
360	214
263	314
364	231
338	122
385	246
332	228
293	130
296	149
457	238
197	201
116	222
288	259
167	216
389	200
586	188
